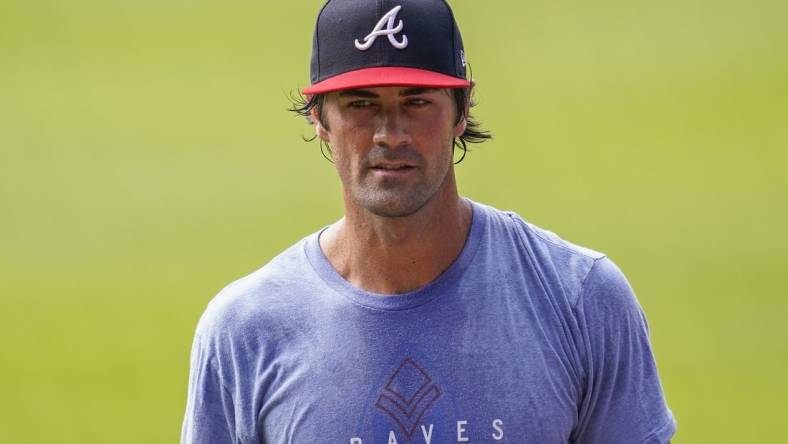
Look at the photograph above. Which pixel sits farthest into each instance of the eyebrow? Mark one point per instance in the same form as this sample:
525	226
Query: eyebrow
370	95
417	91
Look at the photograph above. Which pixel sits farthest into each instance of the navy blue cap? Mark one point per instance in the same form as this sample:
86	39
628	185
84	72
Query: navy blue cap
367	43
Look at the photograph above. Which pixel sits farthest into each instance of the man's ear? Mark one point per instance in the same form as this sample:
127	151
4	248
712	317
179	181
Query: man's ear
320	130
460	127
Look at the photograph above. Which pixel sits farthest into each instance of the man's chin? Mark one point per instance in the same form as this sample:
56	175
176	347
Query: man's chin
392	206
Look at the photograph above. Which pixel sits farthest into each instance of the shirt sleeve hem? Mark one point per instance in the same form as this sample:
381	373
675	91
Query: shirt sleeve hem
661	435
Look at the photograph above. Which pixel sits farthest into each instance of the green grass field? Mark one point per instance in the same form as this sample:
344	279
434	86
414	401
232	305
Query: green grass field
146	160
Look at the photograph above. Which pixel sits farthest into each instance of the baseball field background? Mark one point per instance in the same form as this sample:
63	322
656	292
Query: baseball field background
147	160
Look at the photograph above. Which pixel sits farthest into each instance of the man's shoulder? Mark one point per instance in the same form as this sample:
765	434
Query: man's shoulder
536	237
263	296
559	262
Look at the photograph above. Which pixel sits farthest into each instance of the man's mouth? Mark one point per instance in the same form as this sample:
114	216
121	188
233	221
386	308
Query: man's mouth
392	167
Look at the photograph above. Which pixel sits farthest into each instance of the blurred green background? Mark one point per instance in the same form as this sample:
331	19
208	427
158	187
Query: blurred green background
146	160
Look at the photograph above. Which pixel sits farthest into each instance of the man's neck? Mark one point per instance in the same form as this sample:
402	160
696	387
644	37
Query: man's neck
396	255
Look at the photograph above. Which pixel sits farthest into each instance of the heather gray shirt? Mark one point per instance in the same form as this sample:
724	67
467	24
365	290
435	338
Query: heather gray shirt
525	339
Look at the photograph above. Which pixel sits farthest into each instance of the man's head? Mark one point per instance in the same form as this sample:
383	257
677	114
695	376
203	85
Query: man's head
390	98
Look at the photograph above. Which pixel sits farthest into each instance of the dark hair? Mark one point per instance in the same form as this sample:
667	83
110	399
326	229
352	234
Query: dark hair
303	105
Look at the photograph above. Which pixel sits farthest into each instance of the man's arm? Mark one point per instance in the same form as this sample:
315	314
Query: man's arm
623	400
209	414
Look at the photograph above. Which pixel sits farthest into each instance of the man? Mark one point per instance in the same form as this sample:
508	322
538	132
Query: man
420	316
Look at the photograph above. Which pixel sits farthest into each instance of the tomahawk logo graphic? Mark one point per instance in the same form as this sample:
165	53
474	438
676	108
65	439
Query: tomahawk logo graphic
390	30
407	397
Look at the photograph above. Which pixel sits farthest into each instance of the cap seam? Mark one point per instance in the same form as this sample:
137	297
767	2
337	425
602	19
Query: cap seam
317	41
376	46
382	83
453	36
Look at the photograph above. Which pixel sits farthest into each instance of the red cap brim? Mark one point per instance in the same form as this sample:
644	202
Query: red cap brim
386	76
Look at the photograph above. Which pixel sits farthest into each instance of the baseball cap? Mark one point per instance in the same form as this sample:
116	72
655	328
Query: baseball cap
368	43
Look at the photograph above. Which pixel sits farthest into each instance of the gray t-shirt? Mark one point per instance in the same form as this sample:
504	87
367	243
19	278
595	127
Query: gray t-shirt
525	339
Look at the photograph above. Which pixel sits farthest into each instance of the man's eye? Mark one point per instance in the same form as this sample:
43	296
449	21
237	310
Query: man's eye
360	104
417	102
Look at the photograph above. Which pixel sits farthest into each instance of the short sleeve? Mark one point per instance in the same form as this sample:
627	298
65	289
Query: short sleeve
623	401
209	414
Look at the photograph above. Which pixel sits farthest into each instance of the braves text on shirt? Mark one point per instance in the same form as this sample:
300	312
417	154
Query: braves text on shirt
496	433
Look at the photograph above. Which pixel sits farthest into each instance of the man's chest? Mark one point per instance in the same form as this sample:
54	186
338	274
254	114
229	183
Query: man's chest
440	384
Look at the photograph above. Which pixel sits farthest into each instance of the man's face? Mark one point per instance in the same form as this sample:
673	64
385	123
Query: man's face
392	146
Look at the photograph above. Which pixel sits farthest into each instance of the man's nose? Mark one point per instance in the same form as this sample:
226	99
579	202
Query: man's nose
392	129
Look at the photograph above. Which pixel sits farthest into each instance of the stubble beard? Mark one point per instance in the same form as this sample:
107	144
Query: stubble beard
396	198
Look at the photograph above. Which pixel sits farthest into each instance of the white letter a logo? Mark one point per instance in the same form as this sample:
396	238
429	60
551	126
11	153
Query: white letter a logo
389	31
